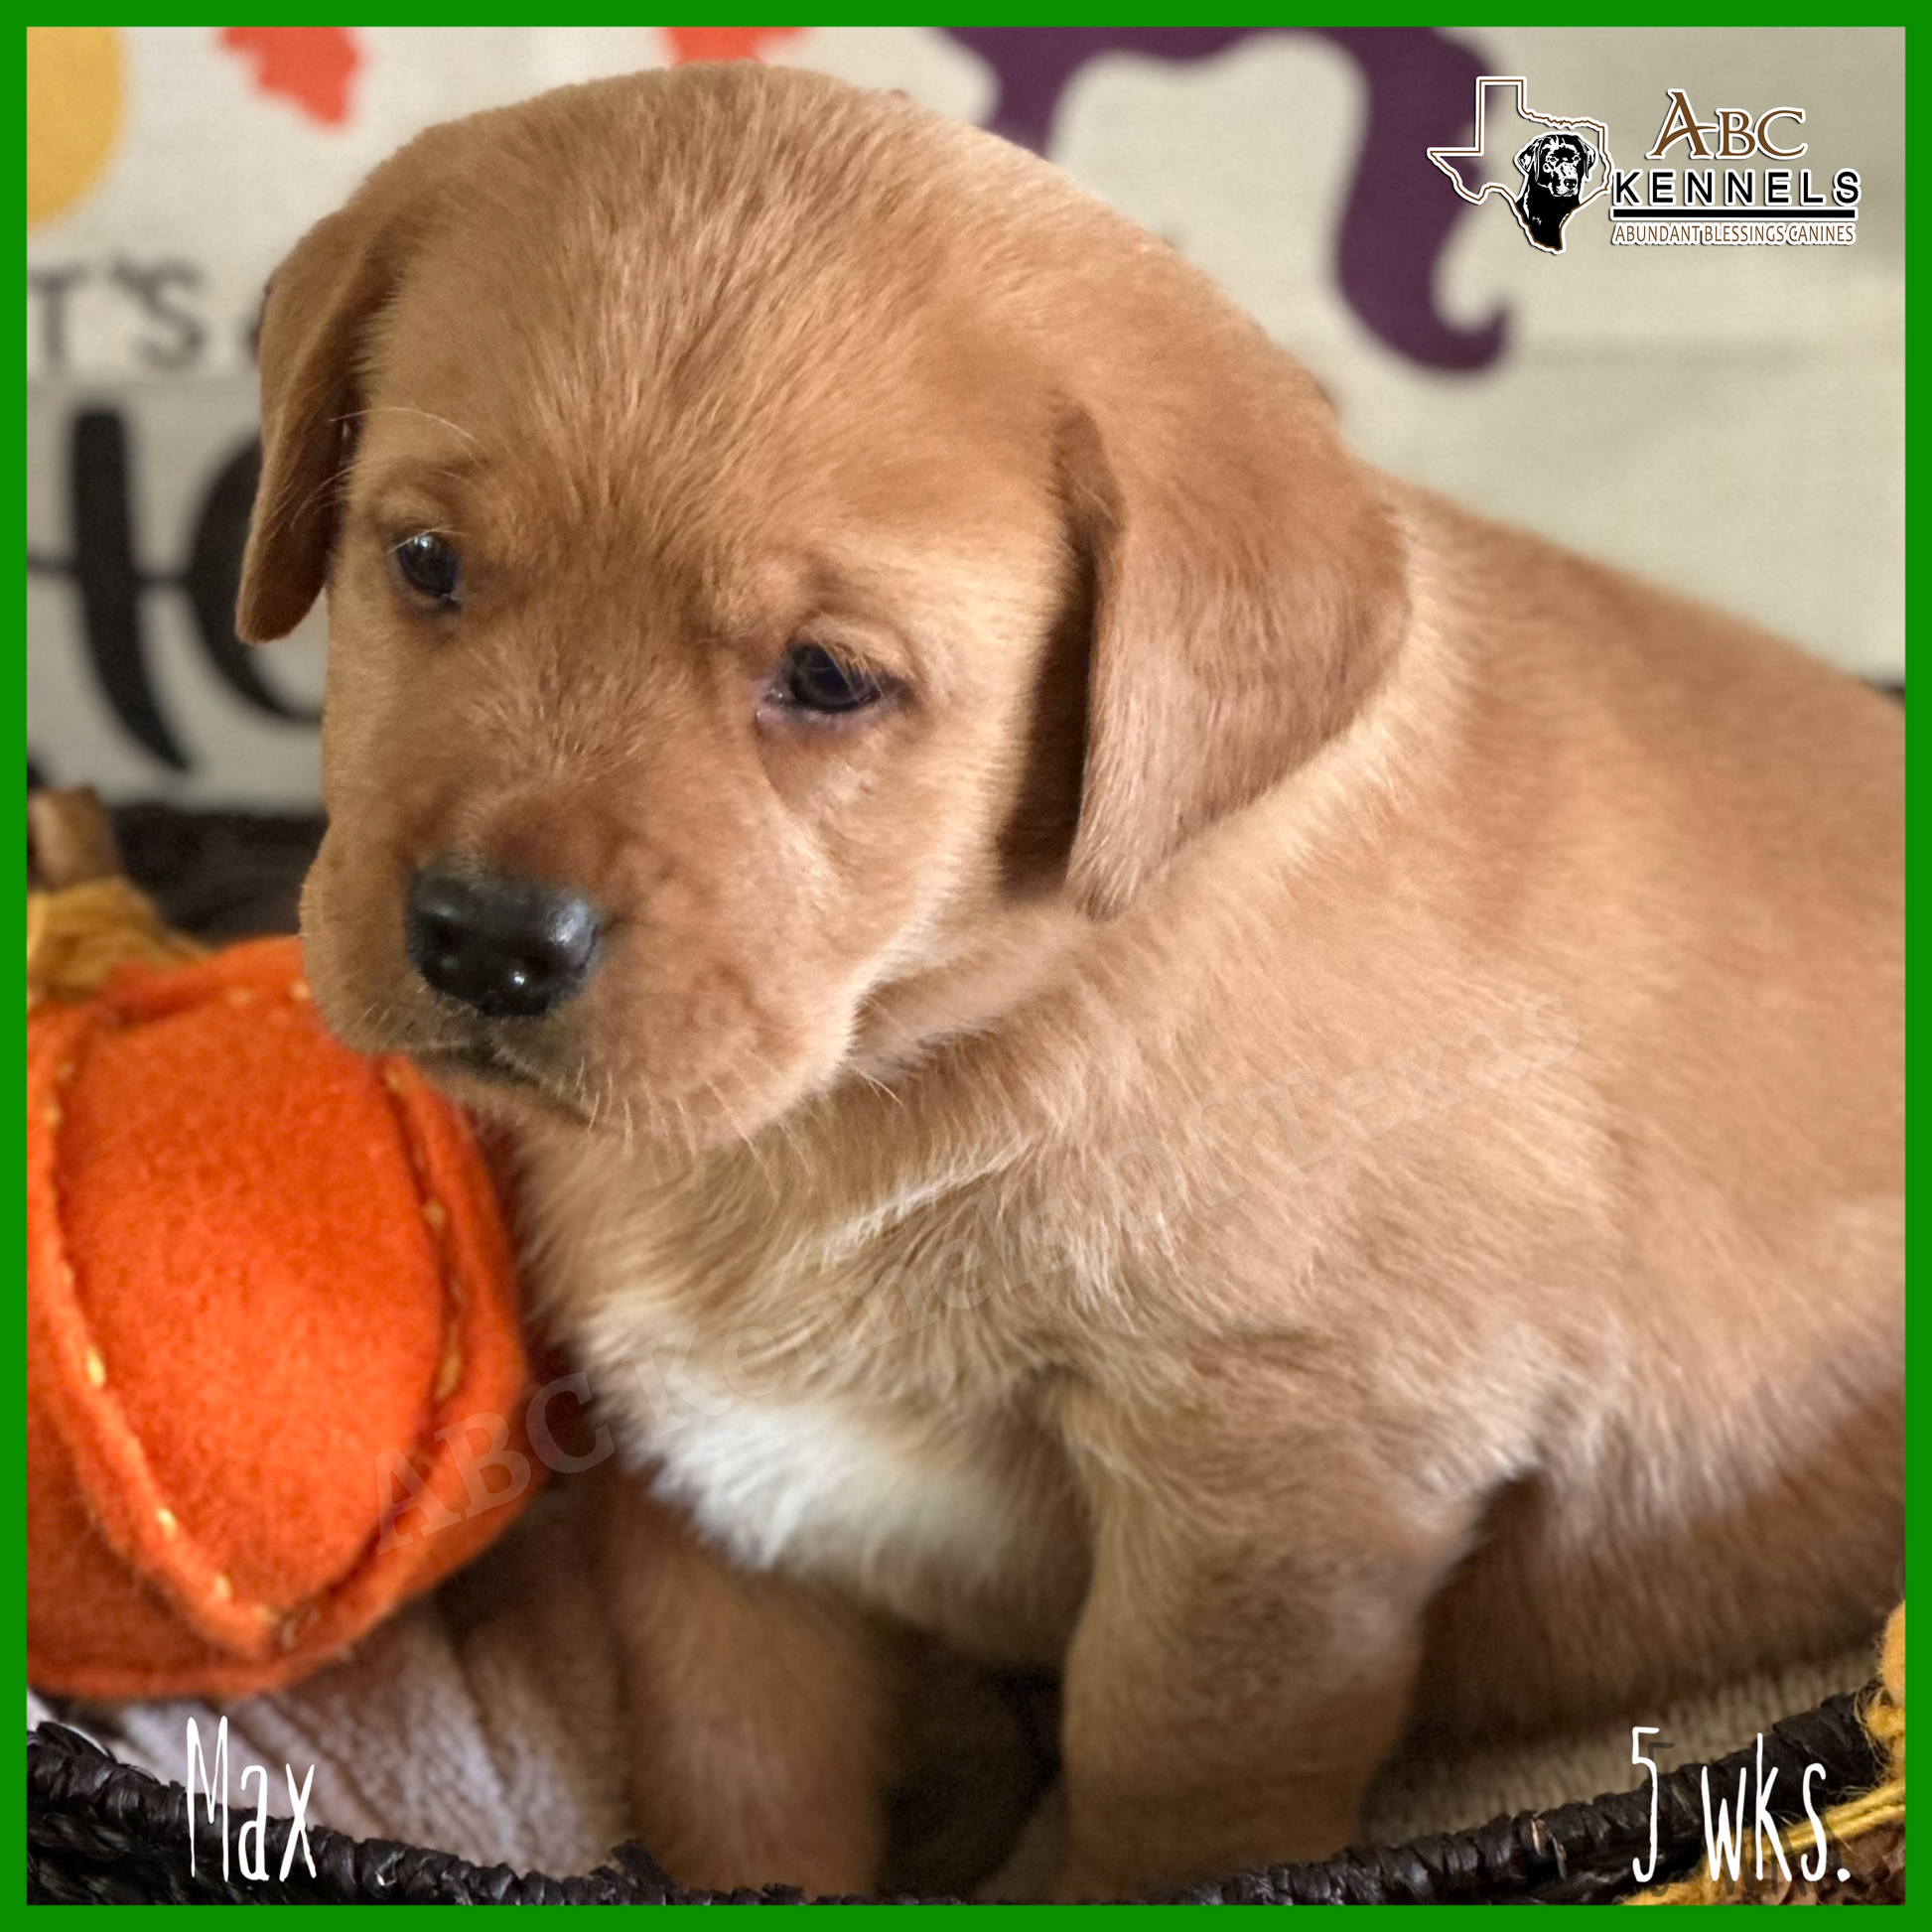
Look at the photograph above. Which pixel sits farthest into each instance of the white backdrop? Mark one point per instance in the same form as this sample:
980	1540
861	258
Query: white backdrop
1728	420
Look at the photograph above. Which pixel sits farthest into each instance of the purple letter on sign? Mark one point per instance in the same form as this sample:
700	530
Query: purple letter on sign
1400	209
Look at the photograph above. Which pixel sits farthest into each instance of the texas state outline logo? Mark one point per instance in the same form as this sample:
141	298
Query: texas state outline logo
1562	168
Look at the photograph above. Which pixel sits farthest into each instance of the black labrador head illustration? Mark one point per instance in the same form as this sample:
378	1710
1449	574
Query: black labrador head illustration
1556	165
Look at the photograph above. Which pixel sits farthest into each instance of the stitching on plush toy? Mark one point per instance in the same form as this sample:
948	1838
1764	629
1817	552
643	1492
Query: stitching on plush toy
204	1593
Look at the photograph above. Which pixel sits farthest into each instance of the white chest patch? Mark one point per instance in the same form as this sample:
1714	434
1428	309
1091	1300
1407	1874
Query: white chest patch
820	1489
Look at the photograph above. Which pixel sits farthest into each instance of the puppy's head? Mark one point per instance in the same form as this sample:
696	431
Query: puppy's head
782	549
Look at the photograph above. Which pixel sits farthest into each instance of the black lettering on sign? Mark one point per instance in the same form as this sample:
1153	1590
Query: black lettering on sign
112	586
213	581
51	287
109	582
149	284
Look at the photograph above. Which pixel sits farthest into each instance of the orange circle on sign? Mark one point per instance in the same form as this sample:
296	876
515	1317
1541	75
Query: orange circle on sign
76	91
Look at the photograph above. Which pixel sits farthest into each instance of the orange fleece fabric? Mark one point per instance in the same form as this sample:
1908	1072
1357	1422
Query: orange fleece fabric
270	1300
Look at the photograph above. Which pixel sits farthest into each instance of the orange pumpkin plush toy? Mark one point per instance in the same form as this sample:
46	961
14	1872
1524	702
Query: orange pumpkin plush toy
275	1378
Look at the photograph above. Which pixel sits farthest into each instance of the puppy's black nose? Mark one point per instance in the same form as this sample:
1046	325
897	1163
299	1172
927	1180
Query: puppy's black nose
509	947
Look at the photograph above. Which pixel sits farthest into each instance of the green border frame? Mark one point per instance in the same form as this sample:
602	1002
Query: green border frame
12	702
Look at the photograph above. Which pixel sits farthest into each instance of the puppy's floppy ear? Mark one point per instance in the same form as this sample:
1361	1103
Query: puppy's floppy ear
1247	592
1526	161
314	323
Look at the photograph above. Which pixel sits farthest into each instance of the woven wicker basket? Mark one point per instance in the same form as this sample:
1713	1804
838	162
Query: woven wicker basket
101	1832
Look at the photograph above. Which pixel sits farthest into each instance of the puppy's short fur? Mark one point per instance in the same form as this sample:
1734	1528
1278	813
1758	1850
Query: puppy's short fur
1301	1122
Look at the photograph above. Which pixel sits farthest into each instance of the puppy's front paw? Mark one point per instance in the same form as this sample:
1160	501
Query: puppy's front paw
1028	1876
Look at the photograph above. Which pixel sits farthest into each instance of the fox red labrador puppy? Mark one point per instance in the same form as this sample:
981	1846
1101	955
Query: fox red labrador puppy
1133	1046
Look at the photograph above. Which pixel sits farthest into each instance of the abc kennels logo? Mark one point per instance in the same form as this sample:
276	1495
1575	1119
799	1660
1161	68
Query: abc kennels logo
1741	178
1732	183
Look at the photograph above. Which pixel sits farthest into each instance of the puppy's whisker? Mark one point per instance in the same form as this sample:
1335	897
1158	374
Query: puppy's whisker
749	1141
879	1087
284	511
686	1137
429	415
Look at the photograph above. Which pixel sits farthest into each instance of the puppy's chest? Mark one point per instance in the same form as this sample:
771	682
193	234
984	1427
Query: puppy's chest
825	1413
971	1533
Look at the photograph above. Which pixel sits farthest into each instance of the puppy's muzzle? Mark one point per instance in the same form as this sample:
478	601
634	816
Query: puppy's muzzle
511	948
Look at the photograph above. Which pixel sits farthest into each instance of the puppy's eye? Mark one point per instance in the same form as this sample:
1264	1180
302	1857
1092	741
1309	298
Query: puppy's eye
814	680
429	564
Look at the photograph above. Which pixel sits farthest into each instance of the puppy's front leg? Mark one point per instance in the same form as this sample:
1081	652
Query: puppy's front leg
758	1713
1245	1656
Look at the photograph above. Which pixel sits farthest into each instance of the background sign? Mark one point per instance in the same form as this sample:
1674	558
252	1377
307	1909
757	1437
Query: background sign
1728	421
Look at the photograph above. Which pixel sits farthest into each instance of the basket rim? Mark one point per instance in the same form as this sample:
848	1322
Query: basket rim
99	1830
